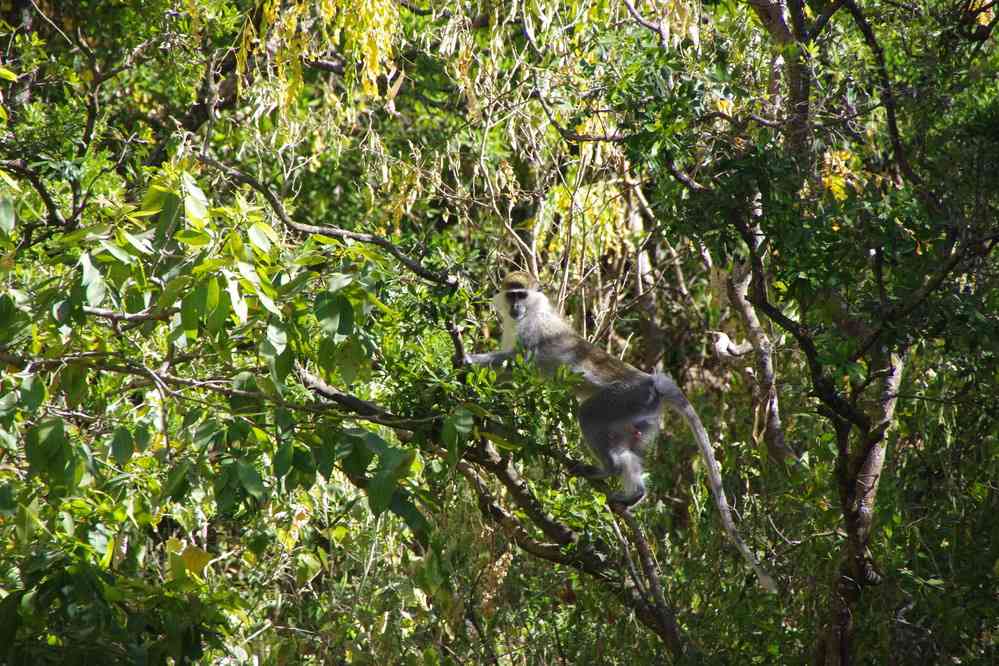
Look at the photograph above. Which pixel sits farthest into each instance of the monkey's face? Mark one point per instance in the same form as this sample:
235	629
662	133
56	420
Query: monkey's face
513	304
517	296
517	302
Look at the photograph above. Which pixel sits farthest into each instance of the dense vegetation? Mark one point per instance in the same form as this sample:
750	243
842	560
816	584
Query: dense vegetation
241	243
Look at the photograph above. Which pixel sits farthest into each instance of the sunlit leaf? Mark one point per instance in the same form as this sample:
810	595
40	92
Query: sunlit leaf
6	215
195	202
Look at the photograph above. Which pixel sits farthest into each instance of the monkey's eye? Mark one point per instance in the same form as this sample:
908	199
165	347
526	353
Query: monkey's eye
515	296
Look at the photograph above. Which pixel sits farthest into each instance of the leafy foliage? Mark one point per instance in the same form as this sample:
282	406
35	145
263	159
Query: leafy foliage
240	244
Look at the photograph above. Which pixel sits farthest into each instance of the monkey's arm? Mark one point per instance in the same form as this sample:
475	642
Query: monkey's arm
491	359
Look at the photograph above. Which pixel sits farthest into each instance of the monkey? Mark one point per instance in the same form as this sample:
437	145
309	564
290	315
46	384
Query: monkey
621	406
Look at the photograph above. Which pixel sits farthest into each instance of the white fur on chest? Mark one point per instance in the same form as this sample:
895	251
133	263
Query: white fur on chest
540	323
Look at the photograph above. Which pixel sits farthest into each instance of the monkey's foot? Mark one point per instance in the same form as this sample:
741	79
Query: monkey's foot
625	502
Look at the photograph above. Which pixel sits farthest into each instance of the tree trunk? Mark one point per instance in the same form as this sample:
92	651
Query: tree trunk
858	476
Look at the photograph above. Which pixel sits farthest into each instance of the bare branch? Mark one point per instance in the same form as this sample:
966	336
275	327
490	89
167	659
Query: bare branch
902	310
337	66
573	137
145	315
741	124
824	387
582	556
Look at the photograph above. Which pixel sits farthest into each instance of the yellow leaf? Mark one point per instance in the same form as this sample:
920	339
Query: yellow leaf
195	559
7	74
836	186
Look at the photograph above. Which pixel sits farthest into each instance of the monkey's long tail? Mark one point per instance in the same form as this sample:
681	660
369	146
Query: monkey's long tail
715	481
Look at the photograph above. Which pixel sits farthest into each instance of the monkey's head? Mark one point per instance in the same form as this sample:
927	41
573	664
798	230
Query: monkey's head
519	294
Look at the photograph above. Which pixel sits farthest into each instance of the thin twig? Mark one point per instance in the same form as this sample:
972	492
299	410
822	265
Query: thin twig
21	168
645	23
449	281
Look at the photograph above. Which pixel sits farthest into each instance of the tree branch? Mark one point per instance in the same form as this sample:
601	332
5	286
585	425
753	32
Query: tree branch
21	168
649	25
823	19
583	558
358	408
926	194
664	613
773	431
145	315
823	386
449	281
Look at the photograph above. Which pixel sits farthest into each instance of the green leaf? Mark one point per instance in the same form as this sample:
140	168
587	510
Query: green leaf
122	446
346	317
351	359
73	383
244	381
142	245
261	237
328	312
50	455
32	393
7	74
277	336
456	428
250	479
307	567
212	293
8	405
208	434
193	238
195	202
192	308
358	456
92	281
393	465
280	367
236	301
283	459
178	481
337	281
118	253
403	507
6	215
172	291
219	315
142	437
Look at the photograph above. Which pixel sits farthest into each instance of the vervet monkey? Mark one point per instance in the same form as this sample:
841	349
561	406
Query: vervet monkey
621	406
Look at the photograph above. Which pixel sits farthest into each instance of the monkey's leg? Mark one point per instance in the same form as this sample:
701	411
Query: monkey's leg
628	465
